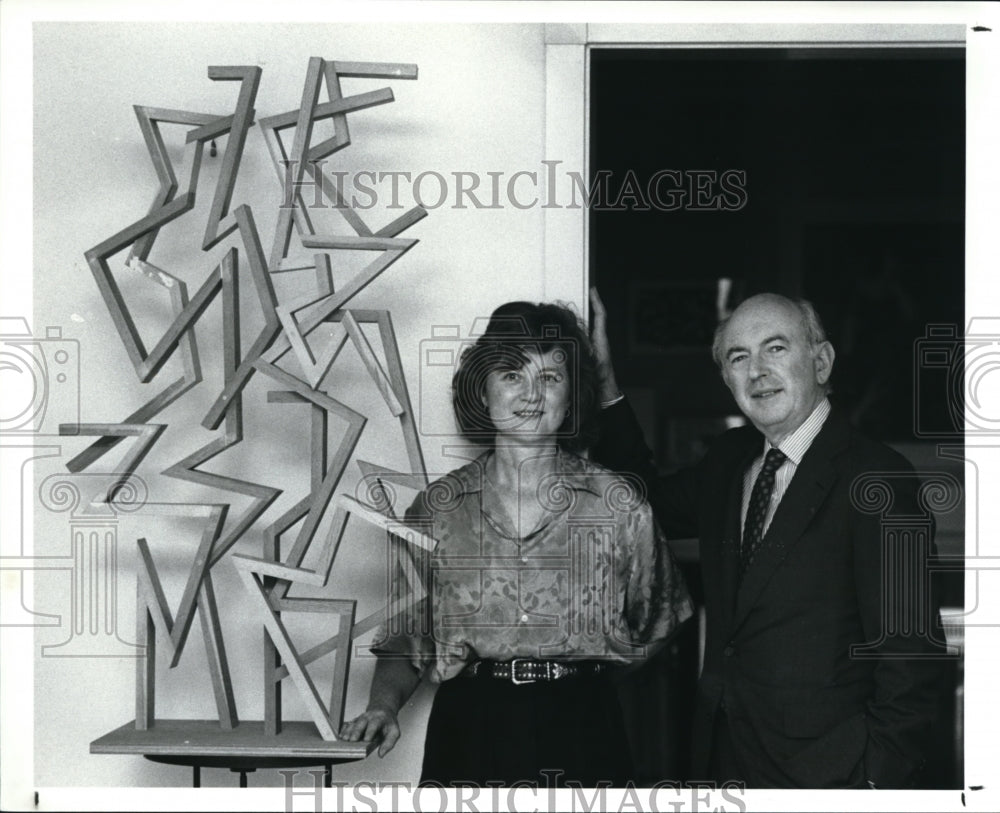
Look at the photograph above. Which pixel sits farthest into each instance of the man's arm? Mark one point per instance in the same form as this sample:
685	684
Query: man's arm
622	446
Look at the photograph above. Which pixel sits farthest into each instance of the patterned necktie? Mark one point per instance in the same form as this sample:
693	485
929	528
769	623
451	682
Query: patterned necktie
760	498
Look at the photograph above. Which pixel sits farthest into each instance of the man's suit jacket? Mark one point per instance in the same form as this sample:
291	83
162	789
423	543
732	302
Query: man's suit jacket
802	710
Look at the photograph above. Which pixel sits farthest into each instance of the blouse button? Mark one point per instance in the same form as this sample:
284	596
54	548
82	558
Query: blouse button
524	619
524	559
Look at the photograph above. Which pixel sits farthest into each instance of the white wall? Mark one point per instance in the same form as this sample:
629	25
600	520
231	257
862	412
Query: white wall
477	106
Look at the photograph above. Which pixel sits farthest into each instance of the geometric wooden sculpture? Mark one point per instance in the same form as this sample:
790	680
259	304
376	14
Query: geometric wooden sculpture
153	614
188	468
290	351
270	605
191	365
328	718
141	234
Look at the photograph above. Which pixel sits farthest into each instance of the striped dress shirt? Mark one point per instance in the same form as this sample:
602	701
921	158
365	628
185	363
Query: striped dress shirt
794	447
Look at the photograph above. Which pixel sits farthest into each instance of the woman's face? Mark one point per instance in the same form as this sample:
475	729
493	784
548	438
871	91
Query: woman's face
530	402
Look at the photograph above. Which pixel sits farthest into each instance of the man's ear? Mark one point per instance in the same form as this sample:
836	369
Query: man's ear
823	362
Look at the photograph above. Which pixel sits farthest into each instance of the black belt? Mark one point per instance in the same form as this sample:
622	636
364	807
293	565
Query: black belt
525	670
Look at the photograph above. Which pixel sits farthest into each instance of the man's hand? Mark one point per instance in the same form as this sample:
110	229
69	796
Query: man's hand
607	388
374	724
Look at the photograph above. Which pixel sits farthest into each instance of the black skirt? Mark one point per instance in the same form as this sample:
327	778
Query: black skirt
548	733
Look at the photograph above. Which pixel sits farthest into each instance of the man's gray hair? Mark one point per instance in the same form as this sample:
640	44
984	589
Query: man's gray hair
811	324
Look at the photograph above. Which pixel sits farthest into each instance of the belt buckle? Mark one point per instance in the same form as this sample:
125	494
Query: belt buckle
513	673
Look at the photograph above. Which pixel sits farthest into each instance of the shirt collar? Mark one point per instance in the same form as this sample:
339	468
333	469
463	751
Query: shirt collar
573	472
797	444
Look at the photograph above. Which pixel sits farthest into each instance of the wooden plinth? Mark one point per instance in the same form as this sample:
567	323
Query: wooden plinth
206	738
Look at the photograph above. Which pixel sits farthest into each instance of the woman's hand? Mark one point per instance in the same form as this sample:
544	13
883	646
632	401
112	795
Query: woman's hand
607	387
378	724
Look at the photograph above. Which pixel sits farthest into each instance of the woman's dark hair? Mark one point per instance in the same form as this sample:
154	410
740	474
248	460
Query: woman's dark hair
514	329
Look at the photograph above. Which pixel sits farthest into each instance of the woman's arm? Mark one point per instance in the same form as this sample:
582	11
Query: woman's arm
657	600
394	682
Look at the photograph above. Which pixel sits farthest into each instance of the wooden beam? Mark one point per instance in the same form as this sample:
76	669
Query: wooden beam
164	172
411	437
403	222
242	120
154	599
190	360
414	480
303	133
146	433
314	369
145	663
349	243
371	362
282	571
318	311
97	260
318	472
312	654
376	70
320	501
205	738
165	347
168	116
282	641
269	332
319	460
197	574
313	605
348	104
215	648
379	520
272	658
187	469
338	689
332	544
300	212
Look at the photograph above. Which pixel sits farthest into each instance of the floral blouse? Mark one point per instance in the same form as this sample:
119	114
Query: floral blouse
594	580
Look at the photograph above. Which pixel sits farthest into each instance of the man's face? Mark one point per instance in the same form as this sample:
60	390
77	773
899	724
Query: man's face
768	364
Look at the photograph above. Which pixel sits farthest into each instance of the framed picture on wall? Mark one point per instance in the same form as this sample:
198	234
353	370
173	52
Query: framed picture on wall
675	316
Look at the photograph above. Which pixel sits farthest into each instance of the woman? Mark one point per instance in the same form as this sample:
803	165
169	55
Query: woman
549	573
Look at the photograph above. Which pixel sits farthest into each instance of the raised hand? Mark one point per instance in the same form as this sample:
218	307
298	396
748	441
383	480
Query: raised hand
607	385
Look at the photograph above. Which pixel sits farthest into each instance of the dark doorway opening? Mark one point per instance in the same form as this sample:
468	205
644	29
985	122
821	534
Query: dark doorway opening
833	174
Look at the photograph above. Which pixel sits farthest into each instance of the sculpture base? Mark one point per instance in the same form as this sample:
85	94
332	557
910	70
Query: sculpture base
206	738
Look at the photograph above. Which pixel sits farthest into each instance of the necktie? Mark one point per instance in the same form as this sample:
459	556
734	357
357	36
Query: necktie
760	498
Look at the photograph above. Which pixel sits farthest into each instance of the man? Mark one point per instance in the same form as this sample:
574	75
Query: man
794	571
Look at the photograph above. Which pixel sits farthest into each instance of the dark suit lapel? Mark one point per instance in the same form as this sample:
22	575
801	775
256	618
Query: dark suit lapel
732	530
809	488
